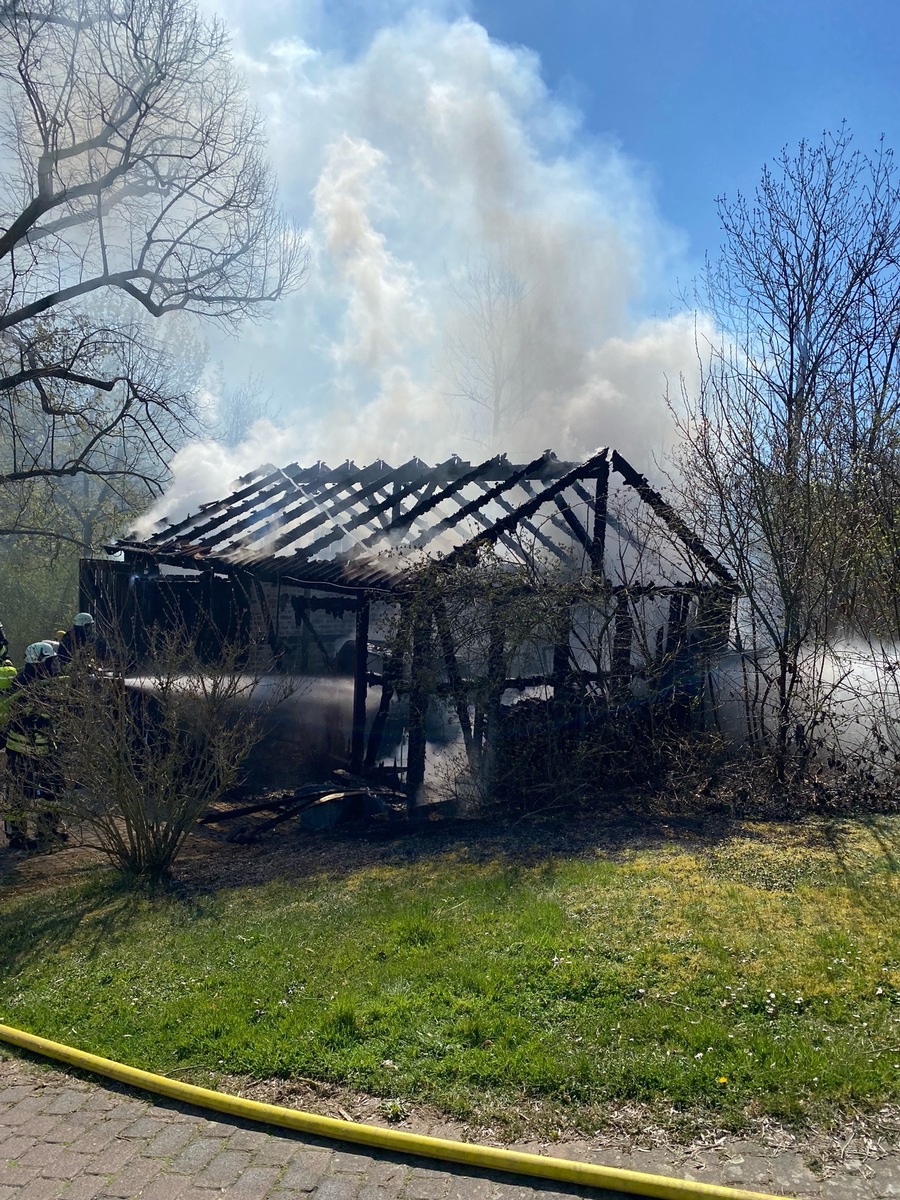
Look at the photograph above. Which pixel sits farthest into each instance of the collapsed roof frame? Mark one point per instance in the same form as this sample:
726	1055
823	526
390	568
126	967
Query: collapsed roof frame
286	525
381	504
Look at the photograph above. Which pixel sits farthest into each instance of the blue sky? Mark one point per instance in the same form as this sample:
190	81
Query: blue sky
702	93
573	149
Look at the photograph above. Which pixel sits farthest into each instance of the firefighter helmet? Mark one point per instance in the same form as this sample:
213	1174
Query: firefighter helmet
40	652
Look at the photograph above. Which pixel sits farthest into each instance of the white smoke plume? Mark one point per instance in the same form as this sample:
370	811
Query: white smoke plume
422	162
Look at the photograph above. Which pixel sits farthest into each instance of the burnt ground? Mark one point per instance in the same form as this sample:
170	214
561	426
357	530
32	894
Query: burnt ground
210	861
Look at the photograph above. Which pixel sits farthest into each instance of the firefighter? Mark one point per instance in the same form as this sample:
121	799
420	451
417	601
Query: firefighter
31	753
8	674
79	640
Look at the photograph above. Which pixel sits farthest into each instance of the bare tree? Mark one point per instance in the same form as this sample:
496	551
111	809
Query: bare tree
487	351
797	409
238	407
131	168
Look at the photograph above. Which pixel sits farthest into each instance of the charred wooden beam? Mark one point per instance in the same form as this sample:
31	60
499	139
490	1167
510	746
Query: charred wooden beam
329	506
335	607
679	610
223	511
496	669
497	530
400	521
458	688
310	497
573	523
418	703
552	516
623	637
584	470
360	688
598	533
436	498
370	513
528	526
671	518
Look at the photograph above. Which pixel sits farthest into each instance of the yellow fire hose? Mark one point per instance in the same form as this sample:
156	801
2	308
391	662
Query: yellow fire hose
486	1157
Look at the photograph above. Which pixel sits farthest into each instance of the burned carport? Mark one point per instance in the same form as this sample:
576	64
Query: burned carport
318	573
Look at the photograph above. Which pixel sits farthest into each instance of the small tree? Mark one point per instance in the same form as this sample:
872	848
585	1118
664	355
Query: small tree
143	759
798	405
487	351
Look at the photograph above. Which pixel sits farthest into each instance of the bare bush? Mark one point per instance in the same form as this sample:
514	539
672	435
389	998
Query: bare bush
143	759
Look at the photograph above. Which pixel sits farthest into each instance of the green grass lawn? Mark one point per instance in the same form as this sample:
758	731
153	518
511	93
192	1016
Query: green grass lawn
758	975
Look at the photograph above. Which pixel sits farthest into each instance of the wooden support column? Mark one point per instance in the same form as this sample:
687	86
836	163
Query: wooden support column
562	656
496	668
360	687
598	532
623	636
418	705
390	678
454	675
678	675
679	609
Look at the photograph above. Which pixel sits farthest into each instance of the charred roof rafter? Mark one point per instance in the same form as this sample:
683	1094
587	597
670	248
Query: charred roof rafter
285	523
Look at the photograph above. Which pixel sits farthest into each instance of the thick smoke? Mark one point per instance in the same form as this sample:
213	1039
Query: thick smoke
472	250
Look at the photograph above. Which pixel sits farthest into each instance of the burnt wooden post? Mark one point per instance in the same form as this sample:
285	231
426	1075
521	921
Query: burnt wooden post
598	533
392	674
454	675
563	682
360	687
679	608
496	670
561	662
679	666
623	635
418	704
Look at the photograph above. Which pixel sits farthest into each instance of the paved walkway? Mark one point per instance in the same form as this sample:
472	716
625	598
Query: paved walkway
64	1137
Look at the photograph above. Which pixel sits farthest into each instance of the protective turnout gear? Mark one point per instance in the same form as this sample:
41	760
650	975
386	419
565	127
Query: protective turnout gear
28	729
27	737
82	620
8	675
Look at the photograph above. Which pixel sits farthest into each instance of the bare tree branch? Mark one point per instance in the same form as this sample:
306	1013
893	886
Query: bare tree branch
136	186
